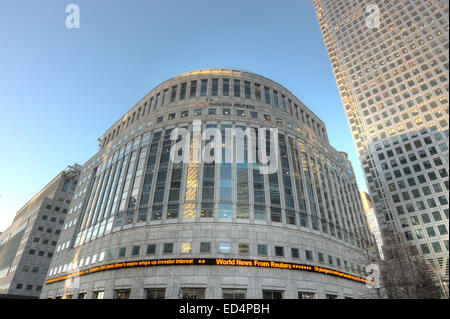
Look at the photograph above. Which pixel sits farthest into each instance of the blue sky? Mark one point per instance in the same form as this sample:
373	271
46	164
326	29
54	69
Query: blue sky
60	88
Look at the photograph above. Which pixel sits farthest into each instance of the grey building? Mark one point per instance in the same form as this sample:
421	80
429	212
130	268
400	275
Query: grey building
390	60
143	225
27	246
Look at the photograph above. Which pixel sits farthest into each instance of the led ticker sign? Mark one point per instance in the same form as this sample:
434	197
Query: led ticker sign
209	262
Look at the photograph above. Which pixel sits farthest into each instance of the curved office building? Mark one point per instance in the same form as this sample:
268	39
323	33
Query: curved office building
218	184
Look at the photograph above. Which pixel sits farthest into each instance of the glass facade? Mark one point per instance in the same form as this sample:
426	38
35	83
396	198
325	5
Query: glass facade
393	80
135	188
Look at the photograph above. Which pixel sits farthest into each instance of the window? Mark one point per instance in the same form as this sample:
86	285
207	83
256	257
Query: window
321	258
156	101
99	294
226	87
272	294
224	248
122	294
237	88
193	92
183	91
306	295
184	114
279	251
309	255
258	91
193	293
215	87
262	250
229	293
186	248
225	210
267	95
168	248
166	93
275	99
205	247
173	96
155	293
226	112
295	253
240	113
247	90
204	87
151	249
437	247
135	251
330	296
260	213
122	252
244	249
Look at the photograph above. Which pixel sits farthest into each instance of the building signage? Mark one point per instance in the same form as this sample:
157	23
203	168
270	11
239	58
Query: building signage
209	262
228	104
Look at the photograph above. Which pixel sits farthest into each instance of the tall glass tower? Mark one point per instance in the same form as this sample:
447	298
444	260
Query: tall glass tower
390	60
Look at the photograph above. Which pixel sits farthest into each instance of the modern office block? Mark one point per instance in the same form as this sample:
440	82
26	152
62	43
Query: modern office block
390	59
27	246
144	225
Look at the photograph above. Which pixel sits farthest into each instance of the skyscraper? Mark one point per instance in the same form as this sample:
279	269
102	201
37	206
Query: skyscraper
27	246
390	60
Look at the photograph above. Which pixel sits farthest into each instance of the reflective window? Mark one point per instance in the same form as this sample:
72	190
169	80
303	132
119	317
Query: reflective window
186	248
247	90
226	87
215	87
272	294
168	248
204	87
173	96
121	294
267	95
237	88
244	249
275	99
155	293
193	293
205	247
193	91
166	93
262	250
258	92
224	248
228	293
183	91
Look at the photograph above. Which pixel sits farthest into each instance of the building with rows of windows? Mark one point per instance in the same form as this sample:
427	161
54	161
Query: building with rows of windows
391	66
144	225
28	244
